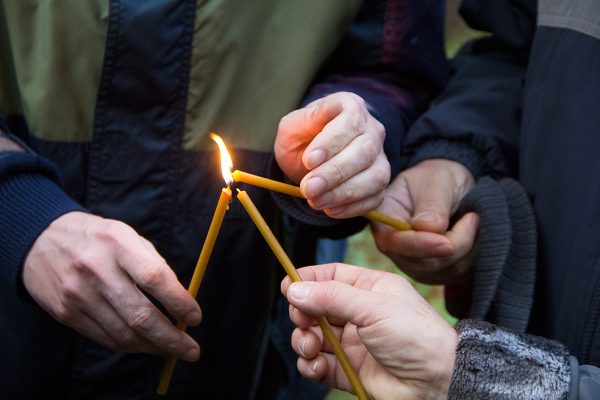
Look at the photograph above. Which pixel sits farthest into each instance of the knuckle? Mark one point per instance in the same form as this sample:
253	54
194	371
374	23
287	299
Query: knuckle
370	150
81	261
127	339
153	277
108	231
379	130
63	313
172	347
357	123
338	172
382	175
142	320
350	192
72	290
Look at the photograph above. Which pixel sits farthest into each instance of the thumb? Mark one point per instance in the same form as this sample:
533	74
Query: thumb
333	300
432	206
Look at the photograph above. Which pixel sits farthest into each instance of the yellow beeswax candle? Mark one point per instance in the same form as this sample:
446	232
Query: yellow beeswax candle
207	247
290	270
266	183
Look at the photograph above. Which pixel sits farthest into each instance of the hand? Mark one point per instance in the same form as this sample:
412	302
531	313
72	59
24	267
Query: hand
399	346
333	147
427	195
85	271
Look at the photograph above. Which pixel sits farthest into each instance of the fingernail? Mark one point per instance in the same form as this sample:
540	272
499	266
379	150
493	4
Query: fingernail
313	367
314	187
301	345
427	217
315	158
299	290
191	355
193	318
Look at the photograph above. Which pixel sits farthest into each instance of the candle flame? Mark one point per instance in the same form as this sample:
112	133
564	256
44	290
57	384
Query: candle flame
226	163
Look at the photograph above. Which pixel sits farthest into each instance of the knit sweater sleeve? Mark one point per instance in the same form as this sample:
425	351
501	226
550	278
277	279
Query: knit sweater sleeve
31	199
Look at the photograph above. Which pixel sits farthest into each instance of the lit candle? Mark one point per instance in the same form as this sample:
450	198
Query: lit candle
241	176
287	265
207	247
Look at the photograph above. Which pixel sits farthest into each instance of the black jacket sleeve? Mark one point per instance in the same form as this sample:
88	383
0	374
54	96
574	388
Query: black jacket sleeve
476	120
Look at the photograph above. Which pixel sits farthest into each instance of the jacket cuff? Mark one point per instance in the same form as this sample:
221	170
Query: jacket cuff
460	152
492	363
31	200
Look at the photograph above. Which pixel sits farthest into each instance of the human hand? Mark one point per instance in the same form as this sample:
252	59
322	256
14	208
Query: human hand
427	195
399	346
333	147
85	271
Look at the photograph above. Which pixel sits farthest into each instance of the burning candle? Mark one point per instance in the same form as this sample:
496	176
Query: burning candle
207	247
241	176
287	265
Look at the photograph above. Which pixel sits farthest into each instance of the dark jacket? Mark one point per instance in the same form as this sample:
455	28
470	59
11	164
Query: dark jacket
524	102
118	97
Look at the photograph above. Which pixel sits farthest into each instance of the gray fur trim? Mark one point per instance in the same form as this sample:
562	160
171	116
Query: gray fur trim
493	363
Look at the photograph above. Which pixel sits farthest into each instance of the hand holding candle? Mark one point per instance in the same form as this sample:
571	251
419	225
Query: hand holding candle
334	148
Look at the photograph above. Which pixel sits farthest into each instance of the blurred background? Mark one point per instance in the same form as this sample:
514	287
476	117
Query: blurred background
361	249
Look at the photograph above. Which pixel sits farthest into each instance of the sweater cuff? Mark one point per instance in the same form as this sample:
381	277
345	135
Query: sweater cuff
460	152
492	363
31	200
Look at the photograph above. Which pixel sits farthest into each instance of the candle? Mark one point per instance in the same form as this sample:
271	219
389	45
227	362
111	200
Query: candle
241	176
287	265
207	247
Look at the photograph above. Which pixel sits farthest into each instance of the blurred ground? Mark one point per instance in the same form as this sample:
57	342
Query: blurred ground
361	247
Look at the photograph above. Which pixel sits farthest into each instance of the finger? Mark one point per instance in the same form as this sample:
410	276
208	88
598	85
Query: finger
413	244
354	209
306	342
314	369
339	132
433	201
149	270
464	233
143	318
324	369
334	300
306	321
350	274
362	153
105	326
301	319
369	183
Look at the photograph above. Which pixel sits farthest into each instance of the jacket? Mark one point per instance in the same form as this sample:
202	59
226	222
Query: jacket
523	102
116	99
